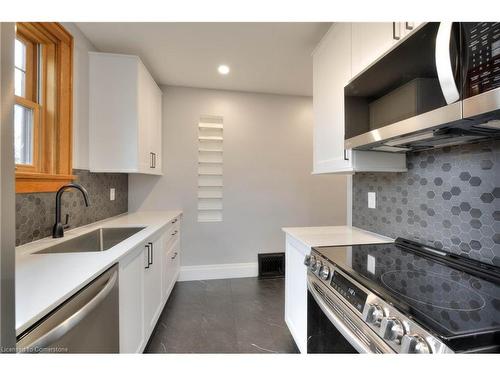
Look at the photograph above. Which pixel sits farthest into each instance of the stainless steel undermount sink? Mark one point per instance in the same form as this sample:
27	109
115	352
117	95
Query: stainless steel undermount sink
101	239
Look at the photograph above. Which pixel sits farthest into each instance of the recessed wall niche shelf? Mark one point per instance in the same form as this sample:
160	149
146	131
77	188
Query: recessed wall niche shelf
210	168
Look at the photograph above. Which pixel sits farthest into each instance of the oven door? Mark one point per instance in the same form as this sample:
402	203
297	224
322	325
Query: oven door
322	335
333	328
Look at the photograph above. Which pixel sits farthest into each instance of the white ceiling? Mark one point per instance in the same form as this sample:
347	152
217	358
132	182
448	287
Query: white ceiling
263	57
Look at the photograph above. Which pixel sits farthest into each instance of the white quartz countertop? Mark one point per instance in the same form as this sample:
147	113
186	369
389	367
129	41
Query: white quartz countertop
342	235
43	281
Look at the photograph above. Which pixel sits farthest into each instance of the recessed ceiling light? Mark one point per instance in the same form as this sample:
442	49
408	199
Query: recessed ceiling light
223	69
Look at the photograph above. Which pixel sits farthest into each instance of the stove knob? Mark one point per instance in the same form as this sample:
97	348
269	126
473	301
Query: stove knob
373	314
317	266
312	262
307	260
414	344
324	272
392	329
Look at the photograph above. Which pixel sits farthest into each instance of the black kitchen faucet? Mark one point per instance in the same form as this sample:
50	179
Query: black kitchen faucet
58	230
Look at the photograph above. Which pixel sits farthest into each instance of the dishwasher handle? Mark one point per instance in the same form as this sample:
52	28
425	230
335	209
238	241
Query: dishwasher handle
67	325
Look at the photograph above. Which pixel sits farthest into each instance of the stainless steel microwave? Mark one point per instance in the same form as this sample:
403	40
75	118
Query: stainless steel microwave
439	87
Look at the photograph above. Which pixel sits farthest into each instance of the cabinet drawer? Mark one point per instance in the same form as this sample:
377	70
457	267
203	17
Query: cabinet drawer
174	258
171	269
175	221
173	235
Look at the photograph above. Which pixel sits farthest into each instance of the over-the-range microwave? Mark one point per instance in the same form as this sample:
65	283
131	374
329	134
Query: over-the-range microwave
439	87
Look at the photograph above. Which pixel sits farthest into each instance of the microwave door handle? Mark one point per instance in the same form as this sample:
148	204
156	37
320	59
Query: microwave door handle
68	324
464	60
444	66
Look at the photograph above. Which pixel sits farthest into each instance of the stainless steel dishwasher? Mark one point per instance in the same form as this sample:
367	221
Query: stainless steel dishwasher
86	323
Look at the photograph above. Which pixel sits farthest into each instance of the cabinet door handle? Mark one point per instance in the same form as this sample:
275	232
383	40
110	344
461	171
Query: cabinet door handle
152	250
409	25
151	160
175	255
395	31
147	246
345	155
174	221
154	160
175	232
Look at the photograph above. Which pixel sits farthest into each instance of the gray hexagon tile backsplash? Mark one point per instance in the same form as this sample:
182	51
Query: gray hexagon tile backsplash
35	213
449	199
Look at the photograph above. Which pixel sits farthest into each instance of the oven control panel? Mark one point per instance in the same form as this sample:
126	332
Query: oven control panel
398	331
482	55
351	293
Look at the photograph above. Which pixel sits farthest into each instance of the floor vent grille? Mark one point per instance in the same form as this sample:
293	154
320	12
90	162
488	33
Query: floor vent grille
271	265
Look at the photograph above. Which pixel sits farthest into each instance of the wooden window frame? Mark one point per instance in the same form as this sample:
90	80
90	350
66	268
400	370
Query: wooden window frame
52	159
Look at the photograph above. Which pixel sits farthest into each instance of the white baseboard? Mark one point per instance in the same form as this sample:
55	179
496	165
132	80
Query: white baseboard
218	271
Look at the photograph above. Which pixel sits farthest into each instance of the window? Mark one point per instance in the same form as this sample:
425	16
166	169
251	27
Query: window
43	106
26	109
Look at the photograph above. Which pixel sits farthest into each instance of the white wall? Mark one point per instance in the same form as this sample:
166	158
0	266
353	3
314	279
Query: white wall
81	48
267	174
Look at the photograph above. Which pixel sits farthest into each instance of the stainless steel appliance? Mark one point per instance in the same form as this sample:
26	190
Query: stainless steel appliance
439	87
401	297
86	323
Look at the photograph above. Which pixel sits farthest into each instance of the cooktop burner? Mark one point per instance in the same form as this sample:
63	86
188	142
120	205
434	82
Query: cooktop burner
449	295
429	286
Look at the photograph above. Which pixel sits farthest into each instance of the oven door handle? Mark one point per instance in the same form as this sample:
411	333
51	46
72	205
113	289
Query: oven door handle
359	345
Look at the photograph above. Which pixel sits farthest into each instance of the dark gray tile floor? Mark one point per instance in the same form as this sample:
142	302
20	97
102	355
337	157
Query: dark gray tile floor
224	316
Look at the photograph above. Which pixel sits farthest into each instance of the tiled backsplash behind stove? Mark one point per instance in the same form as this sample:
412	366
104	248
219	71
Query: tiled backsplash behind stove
449	198
35	212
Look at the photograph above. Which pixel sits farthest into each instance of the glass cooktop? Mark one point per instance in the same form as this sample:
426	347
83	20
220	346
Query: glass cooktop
443	298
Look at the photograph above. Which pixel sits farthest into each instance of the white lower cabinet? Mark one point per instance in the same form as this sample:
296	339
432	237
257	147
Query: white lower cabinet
152	283
171	262
171	266
296	292
131	277
147	276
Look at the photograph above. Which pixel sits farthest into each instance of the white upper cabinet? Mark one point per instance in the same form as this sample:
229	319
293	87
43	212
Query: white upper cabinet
409	27
332	69
125	127
370	40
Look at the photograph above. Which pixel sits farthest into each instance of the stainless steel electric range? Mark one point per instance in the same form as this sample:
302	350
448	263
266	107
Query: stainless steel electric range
401	297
